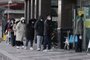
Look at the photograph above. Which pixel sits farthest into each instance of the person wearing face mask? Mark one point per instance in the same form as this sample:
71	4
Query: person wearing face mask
30	34
8	31
39	27
12	32
20	33
47	34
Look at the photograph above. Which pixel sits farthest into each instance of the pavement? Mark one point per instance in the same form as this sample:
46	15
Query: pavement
7	52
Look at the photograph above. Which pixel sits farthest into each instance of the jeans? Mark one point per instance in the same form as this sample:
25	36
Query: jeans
47	42
31	43
39	41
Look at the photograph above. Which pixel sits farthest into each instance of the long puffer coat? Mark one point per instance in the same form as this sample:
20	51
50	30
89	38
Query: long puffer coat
20	31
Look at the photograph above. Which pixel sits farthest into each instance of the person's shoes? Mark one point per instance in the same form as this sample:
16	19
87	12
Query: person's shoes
45	50
38	49
50	50
17	47
25	48
22	47
31	48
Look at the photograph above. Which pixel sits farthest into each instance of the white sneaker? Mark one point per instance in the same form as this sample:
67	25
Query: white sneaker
38	49
45	50
25	48
17	47
22	47
50	50
31	48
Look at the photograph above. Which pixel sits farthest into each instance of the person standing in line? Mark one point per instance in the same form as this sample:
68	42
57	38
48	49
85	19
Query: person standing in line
30	33
14	29
12	32
39	28
47	34
8	31
20	33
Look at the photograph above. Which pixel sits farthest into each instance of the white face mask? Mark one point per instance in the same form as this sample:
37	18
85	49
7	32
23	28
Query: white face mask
41	19
8	21
49	18
11	21
22	21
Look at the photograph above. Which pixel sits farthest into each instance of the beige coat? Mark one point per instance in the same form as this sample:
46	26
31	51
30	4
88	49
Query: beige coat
20	31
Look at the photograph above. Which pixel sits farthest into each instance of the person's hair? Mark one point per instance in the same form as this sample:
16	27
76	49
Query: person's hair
12	19
17	22
82	15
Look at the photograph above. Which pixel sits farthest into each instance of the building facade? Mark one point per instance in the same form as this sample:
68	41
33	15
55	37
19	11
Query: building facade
10	9
13	8
60	10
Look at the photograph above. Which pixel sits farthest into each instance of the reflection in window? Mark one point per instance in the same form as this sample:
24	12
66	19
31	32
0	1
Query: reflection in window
54	8
54	11
87	12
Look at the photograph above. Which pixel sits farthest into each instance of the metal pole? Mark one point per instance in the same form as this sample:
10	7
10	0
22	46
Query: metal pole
31	9
9	2
40	7
8	10
59	23
35	10
74	27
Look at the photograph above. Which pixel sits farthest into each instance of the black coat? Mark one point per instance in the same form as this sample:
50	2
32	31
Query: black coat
48	27
30	30
39	27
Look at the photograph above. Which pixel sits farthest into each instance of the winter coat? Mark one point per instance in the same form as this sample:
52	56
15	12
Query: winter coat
20	31
30	30
47	27
39	27
8	26
14	29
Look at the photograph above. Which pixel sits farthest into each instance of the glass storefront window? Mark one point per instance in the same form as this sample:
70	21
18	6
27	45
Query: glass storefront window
87	12
54	2
54	7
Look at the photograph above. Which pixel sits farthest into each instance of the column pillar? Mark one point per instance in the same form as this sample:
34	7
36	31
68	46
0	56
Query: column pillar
25	9
28	10
35	10
32	8
59	22
39	14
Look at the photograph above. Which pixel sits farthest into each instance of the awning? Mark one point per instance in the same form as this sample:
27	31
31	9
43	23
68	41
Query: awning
14	11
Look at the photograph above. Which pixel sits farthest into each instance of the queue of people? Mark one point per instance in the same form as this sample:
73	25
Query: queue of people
18	30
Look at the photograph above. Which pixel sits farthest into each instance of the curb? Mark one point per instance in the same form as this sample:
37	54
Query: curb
8	56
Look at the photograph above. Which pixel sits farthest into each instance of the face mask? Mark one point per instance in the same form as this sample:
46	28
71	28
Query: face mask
41	19
11	21
49	18
22	20
8	21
